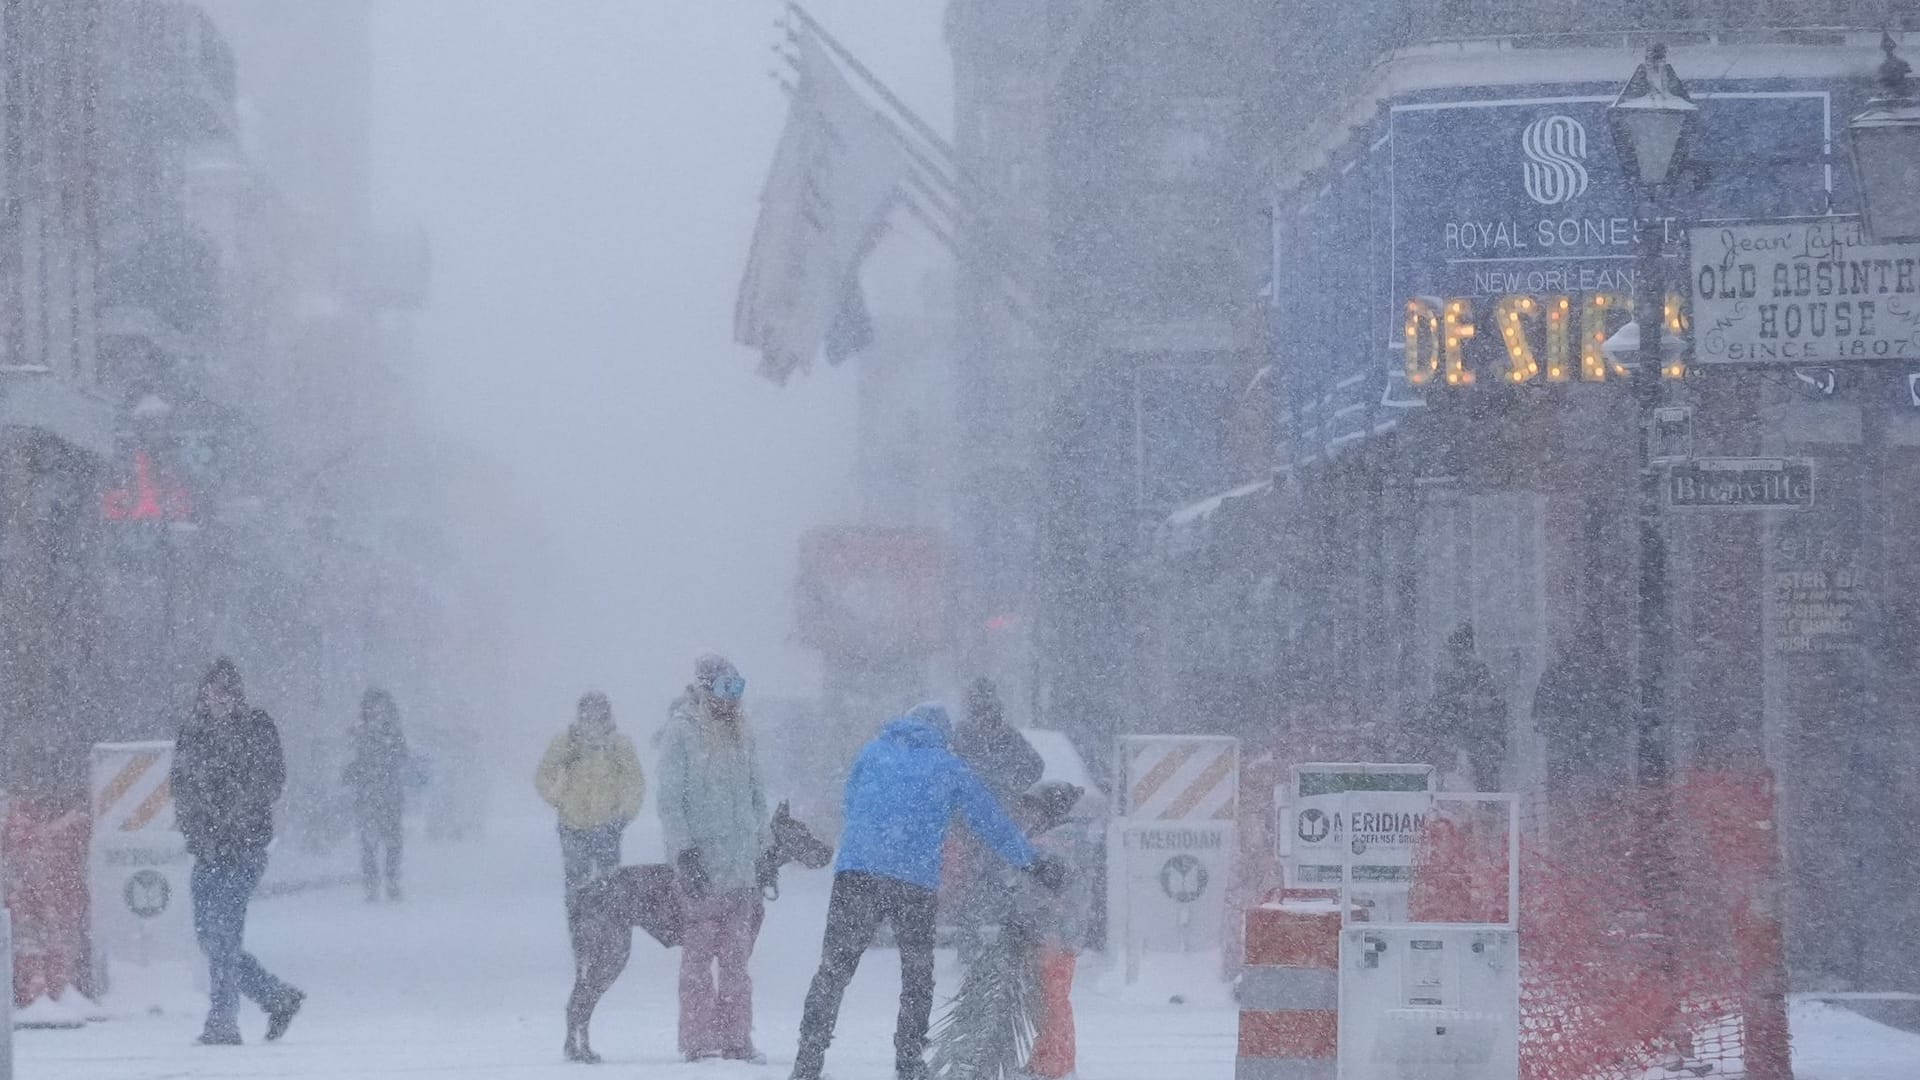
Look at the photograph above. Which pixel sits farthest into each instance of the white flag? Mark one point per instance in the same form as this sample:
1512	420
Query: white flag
834	178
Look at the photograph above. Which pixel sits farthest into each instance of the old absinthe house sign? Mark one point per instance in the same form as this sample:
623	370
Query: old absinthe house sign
1803	293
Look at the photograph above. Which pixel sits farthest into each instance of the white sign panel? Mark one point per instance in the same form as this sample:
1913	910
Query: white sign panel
1807	292
1377	832
1167	884
1312	832
138	863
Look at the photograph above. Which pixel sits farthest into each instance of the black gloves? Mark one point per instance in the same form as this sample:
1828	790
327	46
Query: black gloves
693	873
1049	871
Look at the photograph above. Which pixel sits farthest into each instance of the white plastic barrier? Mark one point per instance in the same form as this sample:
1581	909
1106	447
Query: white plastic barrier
138	862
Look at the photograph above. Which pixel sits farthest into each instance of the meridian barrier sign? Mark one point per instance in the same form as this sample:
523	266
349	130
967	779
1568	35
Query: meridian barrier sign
1803	292
1741	484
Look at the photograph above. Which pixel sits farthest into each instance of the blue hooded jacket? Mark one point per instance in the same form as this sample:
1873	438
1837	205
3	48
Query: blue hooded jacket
904	792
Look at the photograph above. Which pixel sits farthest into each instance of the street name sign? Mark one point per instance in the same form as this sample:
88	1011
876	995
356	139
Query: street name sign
1802	292
1741	484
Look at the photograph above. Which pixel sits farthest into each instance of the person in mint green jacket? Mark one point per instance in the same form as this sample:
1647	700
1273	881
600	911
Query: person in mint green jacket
714	821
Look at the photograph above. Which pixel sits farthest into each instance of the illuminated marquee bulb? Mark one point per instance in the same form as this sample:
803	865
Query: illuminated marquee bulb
1559	337
1458	322
1595	364
1677	324
1512	313
1422	341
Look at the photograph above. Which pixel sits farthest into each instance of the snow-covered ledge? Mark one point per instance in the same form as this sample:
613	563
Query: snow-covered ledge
32	396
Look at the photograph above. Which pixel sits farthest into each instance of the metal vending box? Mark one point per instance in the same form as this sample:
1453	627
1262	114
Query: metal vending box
1434	1001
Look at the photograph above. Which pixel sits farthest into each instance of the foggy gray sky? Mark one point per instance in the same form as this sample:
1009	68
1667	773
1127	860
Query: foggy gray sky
589	172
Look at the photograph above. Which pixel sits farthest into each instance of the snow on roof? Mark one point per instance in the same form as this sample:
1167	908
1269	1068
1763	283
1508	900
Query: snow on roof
1180	533
1202	510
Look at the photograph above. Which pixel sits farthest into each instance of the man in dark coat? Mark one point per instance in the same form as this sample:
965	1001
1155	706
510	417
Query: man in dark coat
227	774
1008	765
377	776
995	750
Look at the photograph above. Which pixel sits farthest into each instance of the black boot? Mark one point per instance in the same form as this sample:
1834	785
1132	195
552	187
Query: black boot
219	1036
280	1017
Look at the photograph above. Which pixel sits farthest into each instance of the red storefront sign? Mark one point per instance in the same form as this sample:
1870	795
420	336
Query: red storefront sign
872	590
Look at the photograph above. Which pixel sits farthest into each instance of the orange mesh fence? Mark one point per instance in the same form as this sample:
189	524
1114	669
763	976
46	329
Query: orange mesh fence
1610	988
45	845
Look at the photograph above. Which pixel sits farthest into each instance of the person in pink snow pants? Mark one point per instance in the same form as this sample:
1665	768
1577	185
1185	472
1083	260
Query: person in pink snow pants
714	821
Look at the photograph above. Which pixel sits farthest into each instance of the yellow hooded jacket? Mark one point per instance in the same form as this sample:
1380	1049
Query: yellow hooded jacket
592	782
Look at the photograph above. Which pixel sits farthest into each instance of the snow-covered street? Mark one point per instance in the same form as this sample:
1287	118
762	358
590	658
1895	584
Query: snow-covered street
468	976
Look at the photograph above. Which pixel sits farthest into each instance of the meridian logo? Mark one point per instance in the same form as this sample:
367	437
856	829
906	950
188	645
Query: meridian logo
1556	149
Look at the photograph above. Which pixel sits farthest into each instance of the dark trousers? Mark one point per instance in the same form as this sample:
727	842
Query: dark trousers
859	904
221	888
587	854
381	836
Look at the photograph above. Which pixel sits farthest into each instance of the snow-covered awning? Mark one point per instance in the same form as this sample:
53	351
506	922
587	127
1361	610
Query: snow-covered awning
1186	529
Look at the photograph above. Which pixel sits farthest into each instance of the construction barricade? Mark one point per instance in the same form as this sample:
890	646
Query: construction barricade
1615	983
1612	986
1171	848
1289	988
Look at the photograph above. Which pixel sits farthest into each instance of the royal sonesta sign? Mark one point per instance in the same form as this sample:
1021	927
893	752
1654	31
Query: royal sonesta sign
1490	236
1516	231
1803	293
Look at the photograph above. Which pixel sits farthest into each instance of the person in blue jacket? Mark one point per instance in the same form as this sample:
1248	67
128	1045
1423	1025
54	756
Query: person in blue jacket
905	789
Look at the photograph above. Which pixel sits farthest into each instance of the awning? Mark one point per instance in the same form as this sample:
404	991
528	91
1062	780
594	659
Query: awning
1187	528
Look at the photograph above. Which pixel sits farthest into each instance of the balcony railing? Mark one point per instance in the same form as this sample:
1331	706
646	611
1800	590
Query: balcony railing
169	61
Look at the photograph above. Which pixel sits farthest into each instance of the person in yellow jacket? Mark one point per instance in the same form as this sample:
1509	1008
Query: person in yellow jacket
591	777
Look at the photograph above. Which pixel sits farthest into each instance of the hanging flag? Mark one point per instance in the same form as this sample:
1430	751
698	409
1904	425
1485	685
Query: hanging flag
852	328
835	177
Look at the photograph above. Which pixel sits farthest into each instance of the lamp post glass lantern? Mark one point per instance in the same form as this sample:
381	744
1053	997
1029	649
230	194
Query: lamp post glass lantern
1651	118
1885	141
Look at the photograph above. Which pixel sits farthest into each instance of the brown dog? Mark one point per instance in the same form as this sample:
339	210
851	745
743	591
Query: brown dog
602	914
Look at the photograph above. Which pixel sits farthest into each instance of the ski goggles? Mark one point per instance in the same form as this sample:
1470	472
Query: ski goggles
729	687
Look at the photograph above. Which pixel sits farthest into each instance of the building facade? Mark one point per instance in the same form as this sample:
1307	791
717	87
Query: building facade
1453	243
56	427
1390	242
1108	341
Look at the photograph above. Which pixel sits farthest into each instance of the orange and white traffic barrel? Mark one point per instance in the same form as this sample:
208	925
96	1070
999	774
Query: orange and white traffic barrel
1289	990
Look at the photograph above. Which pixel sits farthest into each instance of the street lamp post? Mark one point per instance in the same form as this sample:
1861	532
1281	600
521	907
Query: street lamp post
1885	146
1651	120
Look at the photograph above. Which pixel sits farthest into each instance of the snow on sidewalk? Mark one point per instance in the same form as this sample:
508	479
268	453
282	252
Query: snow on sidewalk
469	976
1830	1043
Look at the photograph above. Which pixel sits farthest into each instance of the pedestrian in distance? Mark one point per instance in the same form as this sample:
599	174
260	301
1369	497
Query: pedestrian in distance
591	777
228	771
378	776
903	795
713	819
1057	921
1466	716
